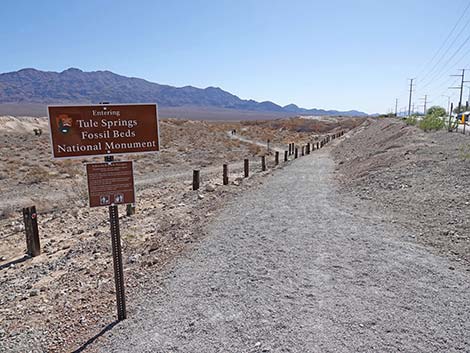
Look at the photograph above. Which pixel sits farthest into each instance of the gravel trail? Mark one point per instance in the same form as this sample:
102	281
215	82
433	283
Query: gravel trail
295	267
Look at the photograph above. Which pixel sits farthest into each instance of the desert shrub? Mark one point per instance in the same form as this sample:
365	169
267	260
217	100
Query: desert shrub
435	110
431	123
452	124
36	174
411	120
255	150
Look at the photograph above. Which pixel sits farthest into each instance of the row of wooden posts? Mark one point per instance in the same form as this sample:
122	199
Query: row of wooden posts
292	150
30	218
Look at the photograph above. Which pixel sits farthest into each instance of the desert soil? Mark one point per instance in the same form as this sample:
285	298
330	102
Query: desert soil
299	266
361	246
58	300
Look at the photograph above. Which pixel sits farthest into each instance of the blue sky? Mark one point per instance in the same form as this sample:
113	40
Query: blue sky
327	54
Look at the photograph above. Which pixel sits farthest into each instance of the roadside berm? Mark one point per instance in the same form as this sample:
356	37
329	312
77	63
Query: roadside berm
419	180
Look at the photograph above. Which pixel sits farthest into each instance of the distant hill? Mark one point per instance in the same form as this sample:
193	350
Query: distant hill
31	87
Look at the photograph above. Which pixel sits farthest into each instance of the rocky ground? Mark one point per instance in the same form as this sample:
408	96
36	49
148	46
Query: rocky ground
58	300
296	266
420	179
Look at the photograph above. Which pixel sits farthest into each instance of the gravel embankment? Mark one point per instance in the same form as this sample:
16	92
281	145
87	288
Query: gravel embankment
294	266
417	179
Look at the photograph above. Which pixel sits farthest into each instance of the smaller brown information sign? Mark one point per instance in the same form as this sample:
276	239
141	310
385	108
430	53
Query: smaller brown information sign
110	183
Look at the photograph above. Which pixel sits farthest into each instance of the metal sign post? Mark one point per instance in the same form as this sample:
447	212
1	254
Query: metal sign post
117	257
105	130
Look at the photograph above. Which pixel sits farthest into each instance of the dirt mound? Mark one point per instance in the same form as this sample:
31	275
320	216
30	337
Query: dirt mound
419	177
10	124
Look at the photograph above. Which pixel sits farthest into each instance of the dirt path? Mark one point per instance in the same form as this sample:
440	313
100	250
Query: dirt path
295	267
253	142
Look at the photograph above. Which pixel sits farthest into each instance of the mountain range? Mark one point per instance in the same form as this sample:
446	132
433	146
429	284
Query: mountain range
74	86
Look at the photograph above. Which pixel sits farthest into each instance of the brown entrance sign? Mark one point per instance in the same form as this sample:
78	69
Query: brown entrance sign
96	130
110	183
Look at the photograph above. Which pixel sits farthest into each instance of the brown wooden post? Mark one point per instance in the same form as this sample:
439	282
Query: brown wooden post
303	151
308	147
296	152
263	163
318	145
246	167
30	218
285	156
225	174
196	180
276	158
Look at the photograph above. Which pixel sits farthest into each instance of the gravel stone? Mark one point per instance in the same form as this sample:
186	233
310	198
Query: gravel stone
293	266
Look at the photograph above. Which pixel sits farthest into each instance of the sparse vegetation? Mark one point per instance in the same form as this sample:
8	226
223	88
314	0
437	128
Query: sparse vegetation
434	119
411	120
431	123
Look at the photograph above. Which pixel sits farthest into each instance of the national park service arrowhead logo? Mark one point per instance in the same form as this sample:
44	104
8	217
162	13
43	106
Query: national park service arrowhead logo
64	123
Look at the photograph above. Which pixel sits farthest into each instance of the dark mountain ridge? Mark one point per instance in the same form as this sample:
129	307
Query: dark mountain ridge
31	86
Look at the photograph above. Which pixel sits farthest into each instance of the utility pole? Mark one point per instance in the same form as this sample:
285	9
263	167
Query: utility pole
409	101
425	102
462	81
396	107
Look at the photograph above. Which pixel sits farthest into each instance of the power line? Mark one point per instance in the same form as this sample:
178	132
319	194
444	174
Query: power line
447	38
450	45
444	59
449	59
